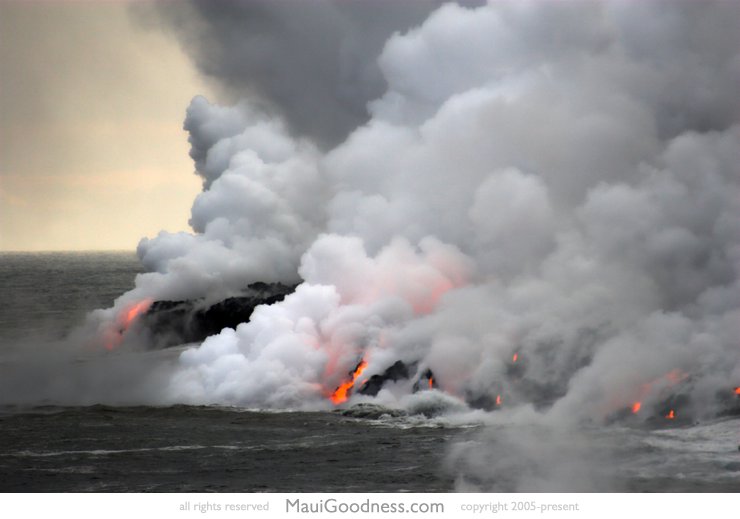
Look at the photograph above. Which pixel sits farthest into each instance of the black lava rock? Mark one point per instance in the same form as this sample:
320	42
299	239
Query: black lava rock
171	323
398	371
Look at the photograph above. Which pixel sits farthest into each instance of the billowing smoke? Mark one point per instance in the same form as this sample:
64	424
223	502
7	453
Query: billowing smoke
539	216
314	63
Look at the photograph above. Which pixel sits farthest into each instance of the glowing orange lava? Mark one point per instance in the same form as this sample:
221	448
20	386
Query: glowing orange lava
515	357
123	322
737	390
499	400
134	311
431	382
341	394
671	415
658	385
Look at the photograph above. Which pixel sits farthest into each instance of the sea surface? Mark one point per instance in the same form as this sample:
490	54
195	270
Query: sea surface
94	447
49	293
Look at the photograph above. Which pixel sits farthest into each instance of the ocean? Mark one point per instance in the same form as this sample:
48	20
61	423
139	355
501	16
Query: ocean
48	445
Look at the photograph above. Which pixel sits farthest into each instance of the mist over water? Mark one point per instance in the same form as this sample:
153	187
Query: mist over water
54	290
539	215
45	358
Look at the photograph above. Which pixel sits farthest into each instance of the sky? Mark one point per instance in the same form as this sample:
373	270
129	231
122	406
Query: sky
92	151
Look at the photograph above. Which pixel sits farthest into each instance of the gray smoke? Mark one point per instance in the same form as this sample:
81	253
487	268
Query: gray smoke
559	181
314	63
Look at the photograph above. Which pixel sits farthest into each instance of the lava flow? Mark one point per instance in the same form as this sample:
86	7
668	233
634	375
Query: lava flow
658	385
124	321
341	394
134	311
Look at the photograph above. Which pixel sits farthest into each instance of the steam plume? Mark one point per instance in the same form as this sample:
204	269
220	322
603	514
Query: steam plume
556	180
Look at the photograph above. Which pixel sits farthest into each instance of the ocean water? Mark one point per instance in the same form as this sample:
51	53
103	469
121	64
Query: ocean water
211	449
83	445
47	294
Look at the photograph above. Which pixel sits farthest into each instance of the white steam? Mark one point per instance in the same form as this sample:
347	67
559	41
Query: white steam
557	180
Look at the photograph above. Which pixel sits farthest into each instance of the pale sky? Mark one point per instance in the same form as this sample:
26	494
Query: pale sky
92	151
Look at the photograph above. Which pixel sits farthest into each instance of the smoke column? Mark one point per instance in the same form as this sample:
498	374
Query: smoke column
553	180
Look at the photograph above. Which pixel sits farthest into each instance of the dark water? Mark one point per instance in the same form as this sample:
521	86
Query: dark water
202	449
46	294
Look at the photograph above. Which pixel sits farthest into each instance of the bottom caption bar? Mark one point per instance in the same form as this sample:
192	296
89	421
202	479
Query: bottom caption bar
182	506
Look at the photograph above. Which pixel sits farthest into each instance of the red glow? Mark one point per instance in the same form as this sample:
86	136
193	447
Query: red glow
515	357
675	376
737	390
671	415
499	400
431	297
341	394
134	311
431	382
657	386
115	335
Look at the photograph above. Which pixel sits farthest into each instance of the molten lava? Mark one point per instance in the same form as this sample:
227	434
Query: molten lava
341	394
737	390
431	382
124	321
134	311
658	385
671	415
